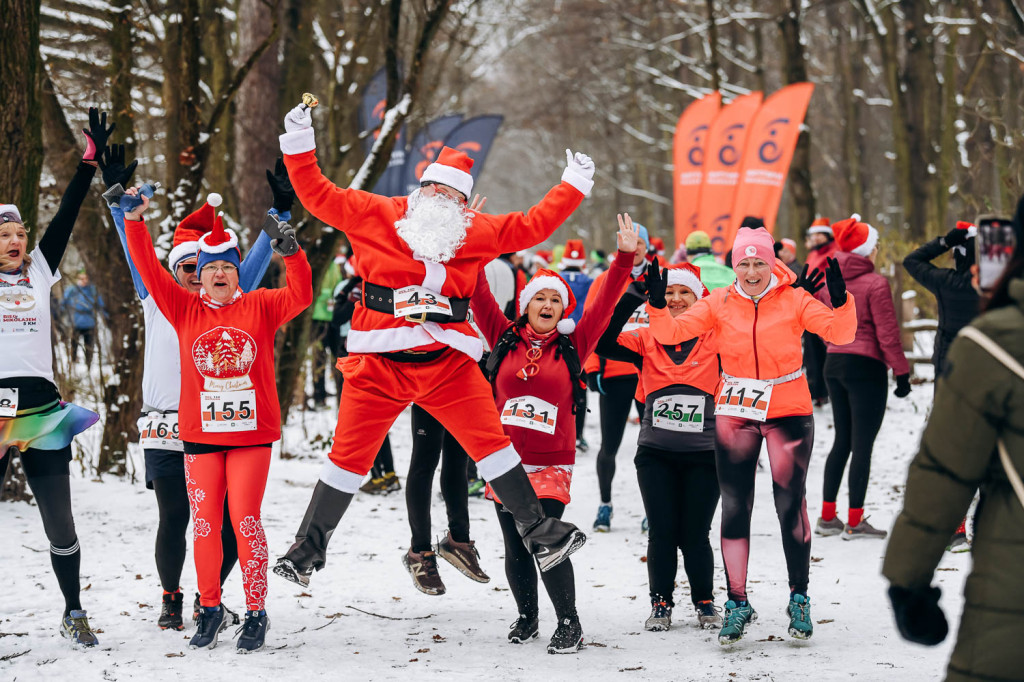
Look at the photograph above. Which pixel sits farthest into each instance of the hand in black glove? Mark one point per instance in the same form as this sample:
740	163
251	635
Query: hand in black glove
835	282
918	616
281	186
114	170
97	134
657	283
955	237
902	386
812	283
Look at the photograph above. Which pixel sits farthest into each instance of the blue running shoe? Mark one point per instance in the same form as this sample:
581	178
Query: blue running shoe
799	612
210	624
603	522
253	633
737	616
660	619
75	626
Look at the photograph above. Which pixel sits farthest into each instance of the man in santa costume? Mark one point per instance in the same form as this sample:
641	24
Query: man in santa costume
410	342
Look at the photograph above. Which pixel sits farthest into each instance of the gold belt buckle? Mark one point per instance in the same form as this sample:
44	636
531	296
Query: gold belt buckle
418	318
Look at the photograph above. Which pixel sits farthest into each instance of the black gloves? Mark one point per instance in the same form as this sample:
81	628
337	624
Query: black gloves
836	283
918	616
98	133
811	284
955	237
281	186
902	386
657	283
114	170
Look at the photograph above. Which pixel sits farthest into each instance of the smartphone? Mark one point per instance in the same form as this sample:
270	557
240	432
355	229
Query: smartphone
995	246
272	226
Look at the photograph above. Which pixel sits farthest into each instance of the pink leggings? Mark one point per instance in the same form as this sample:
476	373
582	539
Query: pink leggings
243	473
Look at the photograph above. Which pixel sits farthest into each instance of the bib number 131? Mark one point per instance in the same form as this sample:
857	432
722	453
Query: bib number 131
747	398
229	412
530	413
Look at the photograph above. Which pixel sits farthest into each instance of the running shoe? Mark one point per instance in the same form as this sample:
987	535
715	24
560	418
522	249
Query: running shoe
603	522
568	637
582	445
288	570
211	623
422	566
551	555
252	634
75	626
660	619
737	616
959	543
476	487
170	612
229	615
524	629
828	528
799	612
644	526
863	530
463	556
391	482
709	616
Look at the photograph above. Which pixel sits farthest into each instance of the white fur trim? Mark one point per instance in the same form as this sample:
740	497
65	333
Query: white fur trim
820	229
448	175
182	251
571	263
584	185
498	463
214	199
687	279
869	244
537	284
298	142
231	243
566	326
413	336
11	208
340	479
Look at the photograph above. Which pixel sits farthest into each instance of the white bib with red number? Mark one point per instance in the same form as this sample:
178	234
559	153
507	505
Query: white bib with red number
228	412
160	431
530	413
638	320
412	300
684	413
747	398
8	402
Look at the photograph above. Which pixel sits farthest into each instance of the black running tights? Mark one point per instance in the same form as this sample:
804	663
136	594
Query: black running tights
429	441
615	402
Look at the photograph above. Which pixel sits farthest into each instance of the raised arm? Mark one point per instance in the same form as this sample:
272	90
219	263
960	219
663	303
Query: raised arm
597	315
168	295
919	266
486	312
140	287
255	264
297	294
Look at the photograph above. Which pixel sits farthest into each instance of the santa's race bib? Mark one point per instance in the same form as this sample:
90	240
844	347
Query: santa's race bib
530	413
160	431
747	398
683	413
413	300
638	320
8	402
228	412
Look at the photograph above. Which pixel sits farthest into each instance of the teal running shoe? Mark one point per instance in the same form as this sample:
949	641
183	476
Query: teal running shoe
603	522
737	617
799	612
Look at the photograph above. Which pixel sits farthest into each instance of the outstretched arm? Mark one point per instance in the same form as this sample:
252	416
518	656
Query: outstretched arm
255	264
486	312
140	287
168	295
615	344
595	317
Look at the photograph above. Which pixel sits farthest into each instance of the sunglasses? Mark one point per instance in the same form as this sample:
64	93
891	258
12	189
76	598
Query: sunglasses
189	268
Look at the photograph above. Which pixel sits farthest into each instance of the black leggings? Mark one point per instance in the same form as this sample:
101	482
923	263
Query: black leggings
814	364
172	503
857	387
680	492
429	441
619	394
521	568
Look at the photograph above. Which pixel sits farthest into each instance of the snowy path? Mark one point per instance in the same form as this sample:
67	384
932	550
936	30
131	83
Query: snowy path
462	634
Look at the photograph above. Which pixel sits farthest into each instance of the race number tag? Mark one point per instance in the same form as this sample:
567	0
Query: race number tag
530	413
679	413
413	300
638	320
747	398
228	412
8	402
160	432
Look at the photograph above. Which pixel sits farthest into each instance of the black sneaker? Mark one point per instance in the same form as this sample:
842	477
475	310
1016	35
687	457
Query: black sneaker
568	637
253	633
550	556
660	619
230	617
290	571
524	629
211	622
170	612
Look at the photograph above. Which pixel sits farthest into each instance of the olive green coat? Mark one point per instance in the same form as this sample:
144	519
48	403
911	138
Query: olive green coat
977	402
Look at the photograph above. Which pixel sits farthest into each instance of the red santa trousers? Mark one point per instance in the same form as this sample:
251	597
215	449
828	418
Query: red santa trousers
242	473
376	390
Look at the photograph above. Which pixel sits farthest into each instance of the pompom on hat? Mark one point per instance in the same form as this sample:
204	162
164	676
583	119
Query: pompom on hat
549	279
219	243
820	226
451	168
855	236
192	228
688	275
574	256
753	242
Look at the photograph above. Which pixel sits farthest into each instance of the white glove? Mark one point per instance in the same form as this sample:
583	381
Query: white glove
579	171
298	118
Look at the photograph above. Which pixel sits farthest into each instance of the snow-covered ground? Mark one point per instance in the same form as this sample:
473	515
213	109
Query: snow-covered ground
363	619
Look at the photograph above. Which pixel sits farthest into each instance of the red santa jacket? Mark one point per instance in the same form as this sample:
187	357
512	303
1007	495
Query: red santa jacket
384	259
552	384
228	385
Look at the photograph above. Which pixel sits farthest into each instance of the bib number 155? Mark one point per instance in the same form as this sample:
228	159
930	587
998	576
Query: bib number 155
233	411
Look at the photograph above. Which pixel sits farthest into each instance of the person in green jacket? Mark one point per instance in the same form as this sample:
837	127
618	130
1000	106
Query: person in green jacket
713	274
979	403
323	308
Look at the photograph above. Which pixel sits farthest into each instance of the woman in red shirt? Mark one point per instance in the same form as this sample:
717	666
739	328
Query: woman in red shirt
534	367
229	414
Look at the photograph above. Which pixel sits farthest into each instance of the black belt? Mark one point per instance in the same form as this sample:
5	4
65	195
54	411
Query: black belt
382	299
415	355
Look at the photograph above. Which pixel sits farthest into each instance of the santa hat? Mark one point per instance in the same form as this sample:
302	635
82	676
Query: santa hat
789	245
9	213
218	244
542	258
963	256
854	236
574	256
452	169
659	245
688	275
194	226
549	279
820	226
753	242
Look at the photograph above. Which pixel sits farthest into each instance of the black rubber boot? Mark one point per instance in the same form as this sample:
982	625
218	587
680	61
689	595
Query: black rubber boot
309	552
550	540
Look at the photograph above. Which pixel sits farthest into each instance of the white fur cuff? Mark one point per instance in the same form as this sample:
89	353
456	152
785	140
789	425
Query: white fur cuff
584	185
298	142
230	243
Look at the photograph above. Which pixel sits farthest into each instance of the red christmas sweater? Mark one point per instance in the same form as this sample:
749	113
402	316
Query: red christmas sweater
552	385
228	386
384	259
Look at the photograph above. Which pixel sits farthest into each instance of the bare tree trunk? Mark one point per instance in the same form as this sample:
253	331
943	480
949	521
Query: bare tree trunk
794	70
714	63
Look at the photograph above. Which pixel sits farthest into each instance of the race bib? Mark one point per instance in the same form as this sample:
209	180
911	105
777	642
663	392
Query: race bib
8	402
679	413
747	398
160	431
228	412
638	320
530	413
413	300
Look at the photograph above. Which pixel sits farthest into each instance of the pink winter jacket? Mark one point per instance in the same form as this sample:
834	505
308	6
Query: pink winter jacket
878	332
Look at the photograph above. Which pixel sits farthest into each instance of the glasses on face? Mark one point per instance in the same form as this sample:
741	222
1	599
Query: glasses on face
227	269
187	268
445	190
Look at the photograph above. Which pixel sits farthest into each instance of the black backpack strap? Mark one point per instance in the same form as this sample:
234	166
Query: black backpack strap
508	341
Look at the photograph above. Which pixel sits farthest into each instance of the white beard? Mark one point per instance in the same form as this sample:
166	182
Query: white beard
434	227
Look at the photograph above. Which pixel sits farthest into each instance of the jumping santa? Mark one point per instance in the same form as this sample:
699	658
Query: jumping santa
410	342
